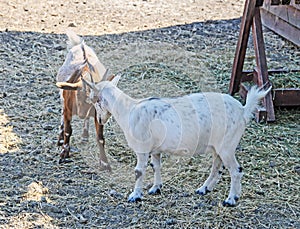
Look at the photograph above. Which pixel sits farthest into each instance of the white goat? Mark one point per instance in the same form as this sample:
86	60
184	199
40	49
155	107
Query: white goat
187	125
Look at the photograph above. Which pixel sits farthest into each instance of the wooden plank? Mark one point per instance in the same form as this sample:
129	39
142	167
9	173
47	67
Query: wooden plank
280	71
288	97
287	13
248	76
243	91
279	2
261	115
296	4
261	63
282	97
241	48
281	27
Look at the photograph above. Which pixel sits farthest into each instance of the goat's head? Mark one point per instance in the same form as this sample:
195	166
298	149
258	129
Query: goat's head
97	99
78	57
81	62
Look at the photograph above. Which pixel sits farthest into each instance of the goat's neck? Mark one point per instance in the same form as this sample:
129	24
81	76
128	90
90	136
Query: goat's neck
119	105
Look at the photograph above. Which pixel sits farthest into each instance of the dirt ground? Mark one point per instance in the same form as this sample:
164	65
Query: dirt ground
110	16
162	48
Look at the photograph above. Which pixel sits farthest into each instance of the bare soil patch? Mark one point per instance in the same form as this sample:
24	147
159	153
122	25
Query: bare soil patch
162	48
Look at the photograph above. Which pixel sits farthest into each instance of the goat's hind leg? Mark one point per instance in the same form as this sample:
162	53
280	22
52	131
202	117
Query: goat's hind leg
85	133
156	165
215	174
140	170
236	173
67	132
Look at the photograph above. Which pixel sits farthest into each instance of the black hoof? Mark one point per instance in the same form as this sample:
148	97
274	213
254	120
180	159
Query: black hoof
156	192
132	200
202	193
226	204
64	161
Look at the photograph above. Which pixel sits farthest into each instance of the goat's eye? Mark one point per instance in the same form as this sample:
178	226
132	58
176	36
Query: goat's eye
99	104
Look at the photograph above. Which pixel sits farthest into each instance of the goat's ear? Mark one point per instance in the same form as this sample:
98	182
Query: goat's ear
110	78
106	75
115	79
74	39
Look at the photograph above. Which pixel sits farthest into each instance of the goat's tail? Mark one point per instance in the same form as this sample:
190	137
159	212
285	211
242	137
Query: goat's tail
255	94
74	39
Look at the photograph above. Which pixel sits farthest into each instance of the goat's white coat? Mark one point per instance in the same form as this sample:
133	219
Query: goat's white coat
187	125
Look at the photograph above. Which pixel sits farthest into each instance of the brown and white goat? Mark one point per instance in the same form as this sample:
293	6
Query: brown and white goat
81	62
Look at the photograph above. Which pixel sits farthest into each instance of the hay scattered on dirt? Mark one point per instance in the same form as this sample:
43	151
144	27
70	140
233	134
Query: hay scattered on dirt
8	139
35	191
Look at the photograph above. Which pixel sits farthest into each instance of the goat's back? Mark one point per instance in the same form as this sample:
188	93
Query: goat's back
185	125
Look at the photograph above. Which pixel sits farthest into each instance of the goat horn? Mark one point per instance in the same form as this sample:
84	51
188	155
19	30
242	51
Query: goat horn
90	66
105	74
69	86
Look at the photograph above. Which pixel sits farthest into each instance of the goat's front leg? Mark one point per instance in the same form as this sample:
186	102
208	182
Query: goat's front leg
140	170
215	174
65	152
100	142
156	165
60	141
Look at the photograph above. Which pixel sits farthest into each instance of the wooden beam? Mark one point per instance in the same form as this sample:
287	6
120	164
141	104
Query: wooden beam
282	97
282	27
241	48
282	71
296	4
287	13
243	91
287	97
248	75
261	63
280	2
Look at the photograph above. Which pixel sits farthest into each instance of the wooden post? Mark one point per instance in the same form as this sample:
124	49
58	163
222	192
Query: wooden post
241	48
251	18
261	63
